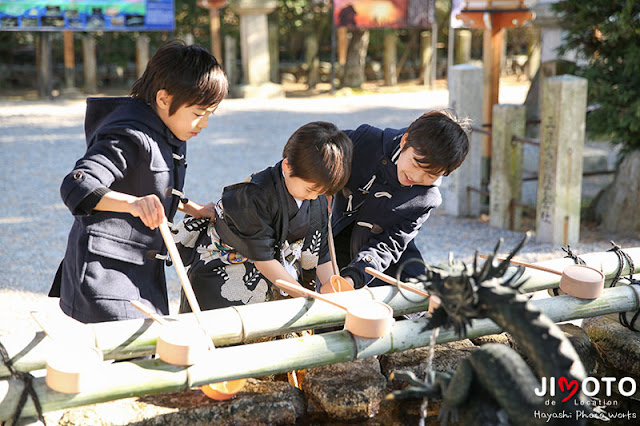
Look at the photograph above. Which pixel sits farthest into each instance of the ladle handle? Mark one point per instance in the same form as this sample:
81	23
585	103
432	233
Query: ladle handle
38	319
332	249
301	290
182	273
389	279
148	312
528	265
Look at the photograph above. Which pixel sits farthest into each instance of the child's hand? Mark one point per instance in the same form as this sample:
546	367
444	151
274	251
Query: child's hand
197	211
149	209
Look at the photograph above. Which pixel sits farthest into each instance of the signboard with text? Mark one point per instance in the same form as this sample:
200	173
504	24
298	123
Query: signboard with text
87	15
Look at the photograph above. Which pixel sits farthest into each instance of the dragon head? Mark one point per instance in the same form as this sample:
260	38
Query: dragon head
457	287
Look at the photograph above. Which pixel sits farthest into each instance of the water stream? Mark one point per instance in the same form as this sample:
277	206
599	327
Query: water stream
428	374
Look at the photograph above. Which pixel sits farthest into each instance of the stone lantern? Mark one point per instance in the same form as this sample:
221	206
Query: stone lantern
254	49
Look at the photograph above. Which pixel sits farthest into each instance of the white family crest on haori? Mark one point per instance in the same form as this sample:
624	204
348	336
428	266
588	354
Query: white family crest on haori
238	283
309	257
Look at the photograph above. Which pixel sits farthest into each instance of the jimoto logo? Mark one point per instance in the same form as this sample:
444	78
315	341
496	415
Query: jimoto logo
590	386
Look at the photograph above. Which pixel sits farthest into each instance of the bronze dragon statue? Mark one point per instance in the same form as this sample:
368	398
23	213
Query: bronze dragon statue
495	385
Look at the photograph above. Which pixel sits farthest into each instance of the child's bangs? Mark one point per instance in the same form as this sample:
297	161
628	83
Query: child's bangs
211	89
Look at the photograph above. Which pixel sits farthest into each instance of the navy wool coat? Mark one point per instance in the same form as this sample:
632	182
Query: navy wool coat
383	216
112	258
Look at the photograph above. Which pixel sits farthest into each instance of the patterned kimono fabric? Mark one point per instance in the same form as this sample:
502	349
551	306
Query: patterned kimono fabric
222	277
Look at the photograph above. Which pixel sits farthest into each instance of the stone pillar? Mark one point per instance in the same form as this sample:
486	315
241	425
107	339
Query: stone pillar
142	54
90	63
426	56
274	49
465	98
463	46
506	166
231	59
390	58
254	49
562	134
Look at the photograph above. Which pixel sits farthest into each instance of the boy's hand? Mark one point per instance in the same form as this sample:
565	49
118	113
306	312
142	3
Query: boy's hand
197	211
149	209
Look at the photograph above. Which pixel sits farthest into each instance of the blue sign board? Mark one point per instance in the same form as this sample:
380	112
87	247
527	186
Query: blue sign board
87	15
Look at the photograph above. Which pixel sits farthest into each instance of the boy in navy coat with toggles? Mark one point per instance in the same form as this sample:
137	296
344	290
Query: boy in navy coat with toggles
129	180
391	192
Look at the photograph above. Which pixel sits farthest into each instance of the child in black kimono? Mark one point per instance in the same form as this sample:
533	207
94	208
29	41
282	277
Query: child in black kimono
272	226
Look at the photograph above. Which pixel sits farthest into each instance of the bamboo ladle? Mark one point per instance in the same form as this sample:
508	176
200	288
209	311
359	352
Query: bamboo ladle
370	319
579	281
70	368
221	390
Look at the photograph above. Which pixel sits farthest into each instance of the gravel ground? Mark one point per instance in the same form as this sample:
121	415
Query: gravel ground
40	142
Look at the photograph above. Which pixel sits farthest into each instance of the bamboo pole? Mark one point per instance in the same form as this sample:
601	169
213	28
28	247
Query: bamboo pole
227	326
144	377
606	262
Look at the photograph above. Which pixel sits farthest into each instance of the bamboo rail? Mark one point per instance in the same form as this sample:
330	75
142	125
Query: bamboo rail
144	377
226	326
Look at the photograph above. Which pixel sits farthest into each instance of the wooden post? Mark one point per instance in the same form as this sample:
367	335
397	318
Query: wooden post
142	54
231	58
69	61
390	58
45	81
465	98
312	60
491	54
560	176
506	166
214	26
342	35
144	377
90	63
426	58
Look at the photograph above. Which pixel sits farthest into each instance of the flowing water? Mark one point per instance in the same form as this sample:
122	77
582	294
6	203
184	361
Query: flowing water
428	374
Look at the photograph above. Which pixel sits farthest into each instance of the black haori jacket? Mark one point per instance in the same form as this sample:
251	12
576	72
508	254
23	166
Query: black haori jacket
112	258
386	216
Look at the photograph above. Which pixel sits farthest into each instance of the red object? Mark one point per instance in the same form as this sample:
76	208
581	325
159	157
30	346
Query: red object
212	4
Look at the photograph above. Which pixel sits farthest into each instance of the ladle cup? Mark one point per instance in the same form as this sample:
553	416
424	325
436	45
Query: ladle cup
581	281
178	344
71	368
370	319
337	284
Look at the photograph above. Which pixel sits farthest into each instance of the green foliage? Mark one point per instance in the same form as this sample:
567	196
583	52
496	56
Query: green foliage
299	18
606	34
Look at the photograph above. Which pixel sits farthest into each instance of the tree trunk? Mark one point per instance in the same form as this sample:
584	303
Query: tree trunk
356	55
616	206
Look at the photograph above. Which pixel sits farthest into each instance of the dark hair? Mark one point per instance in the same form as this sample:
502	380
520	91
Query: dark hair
320	153
190	74
440	139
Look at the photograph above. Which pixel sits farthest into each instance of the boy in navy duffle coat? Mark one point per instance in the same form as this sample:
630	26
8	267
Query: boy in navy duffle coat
129	180
392	189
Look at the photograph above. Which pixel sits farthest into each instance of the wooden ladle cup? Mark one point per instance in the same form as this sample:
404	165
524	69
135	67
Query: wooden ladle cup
71	367
178	344
581	281
370	319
